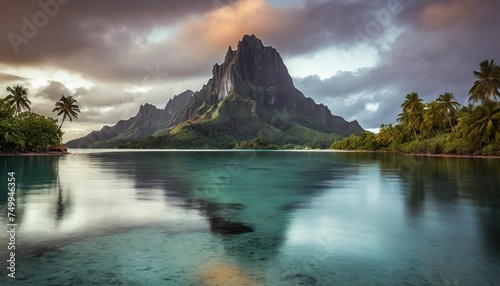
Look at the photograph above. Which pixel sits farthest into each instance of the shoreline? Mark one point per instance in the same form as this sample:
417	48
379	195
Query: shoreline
26	154
55	153
453	156
422	154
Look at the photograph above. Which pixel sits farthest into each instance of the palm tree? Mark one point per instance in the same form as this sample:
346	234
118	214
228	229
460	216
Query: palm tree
18	98
487	84
413	108
483	123
449	104
68	107
434	117
385	136
403	119
467	110
465	118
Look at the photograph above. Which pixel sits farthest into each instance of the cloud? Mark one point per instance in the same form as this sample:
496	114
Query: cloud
166	47
111	40
10	77
440	46
101	39
54	91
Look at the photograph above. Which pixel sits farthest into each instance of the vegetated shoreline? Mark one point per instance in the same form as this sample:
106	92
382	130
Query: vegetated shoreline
55	153
34	153
420	154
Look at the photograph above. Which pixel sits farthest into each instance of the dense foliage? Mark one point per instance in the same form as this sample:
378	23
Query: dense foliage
259	143
38	131
443	125
189	138
27	131
11	137
22	130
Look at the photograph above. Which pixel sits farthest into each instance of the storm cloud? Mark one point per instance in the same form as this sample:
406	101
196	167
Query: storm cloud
115	55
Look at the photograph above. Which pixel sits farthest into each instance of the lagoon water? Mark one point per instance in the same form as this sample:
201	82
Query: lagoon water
318	218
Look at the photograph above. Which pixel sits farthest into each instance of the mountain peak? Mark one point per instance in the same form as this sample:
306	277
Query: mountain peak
187	93
256	81
250	41
229	54
178	101
146	109
147	106
145	123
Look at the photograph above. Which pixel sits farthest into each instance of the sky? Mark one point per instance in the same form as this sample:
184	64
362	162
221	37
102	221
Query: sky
358	57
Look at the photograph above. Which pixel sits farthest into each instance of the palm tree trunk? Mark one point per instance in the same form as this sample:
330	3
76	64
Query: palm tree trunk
414	132
62	123
451	125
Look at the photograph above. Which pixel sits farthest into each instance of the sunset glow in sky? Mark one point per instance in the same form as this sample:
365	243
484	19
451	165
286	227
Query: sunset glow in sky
359	57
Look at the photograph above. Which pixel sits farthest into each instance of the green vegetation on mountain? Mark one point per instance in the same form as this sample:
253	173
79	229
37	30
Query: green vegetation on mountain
442	126
206	135
191	137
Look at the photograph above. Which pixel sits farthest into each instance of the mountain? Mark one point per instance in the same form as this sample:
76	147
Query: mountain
250	102
255	76
251	95
148	121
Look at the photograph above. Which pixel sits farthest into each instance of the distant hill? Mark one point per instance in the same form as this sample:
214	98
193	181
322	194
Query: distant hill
148	121
250	101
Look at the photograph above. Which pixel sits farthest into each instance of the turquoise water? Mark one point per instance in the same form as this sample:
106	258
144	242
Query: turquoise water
318	218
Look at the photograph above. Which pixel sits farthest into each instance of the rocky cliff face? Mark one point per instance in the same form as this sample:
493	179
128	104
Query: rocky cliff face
176	103
254	78
146	122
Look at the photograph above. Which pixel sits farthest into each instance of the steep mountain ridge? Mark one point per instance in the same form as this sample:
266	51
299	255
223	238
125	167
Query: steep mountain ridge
148	120
262	90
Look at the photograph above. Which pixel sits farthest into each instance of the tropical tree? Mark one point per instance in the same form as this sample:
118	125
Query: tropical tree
448	103
482	124
38	131
467	110
18	98
413	108
67	107
434	117
11	137
464	118
403	119
487	85
391	136
385	137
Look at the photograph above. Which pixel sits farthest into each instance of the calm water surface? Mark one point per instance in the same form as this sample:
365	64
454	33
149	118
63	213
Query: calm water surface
318	218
